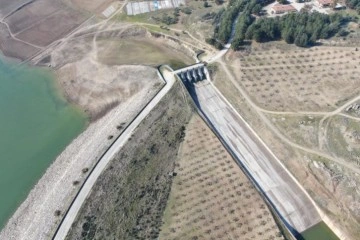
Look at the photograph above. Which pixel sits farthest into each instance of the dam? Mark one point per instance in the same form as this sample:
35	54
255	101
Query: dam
279	188
193	73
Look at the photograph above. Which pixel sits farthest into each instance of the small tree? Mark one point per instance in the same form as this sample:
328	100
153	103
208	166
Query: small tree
302	40
257	9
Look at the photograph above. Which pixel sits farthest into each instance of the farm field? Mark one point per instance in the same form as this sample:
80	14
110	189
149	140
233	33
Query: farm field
96	6
35	24
211	198
303	103
314	79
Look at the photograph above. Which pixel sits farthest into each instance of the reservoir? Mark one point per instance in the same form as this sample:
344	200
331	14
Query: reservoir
36	124
318	232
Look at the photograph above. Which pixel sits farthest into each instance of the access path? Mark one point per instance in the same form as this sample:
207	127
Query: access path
85	190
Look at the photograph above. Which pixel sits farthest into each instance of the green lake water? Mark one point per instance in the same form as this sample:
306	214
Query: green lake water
319	232
36	124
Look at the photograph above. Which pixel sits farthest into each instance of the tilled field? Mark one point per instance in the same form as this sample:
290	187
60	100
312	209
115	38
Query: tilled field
211	198
32	25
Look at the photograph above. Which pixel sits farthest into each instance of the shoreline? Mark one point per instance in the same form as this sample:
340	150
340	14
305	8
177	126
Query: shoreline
38	124
38	215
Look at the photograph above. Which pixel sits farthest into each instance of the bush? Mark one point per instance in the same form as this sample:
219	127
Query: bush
168	20
210	41
57	213
186	10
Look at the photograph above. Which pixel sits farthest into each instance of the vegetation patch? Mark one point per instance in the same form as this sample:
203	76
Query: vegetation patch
128	200
303	28
353	4
343	138
300	129
142	51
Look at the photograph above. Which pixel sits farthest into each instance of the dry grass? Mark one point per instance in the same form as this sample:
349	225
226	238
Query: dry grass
283	68
196	23
315	79
343	138
98	88
43	21
147	51
13	48
91	69
96	6
129	198
211	198
301	129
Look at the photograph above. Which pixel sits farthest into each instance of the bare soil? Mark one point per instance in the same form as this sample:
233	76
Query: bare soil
97	6
97	88
13	48
54	27
91	69
35	24
33	13
6	7
327	80
314	79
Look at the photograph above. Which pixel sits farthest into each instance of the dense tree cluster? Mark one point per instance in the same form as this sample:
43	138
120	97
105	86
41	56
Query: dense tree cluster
302	29
353	4
228	16
225	18
168	20
244	21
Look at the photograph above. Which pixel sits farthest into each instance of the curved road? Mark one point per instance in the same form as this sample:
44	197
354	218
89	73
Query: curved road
71	214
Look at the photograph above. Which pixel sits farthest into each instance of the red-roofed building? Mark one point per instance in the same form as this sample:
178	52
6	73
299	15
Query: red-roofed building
324	3
279	9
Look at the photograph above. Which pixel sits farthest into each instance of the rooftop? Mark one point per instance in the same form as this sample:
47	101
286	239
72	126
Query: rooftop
325	2
284	8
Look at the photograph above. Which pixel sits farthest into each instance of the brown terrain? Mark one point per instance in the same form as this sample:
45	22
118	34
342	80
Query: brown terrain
29	26
298	105
94	71
297	100
211	198
111	94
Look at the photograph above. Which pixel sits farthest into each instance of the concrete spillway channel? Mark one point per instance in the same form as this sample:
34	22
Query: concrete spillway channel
193	73
277	185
